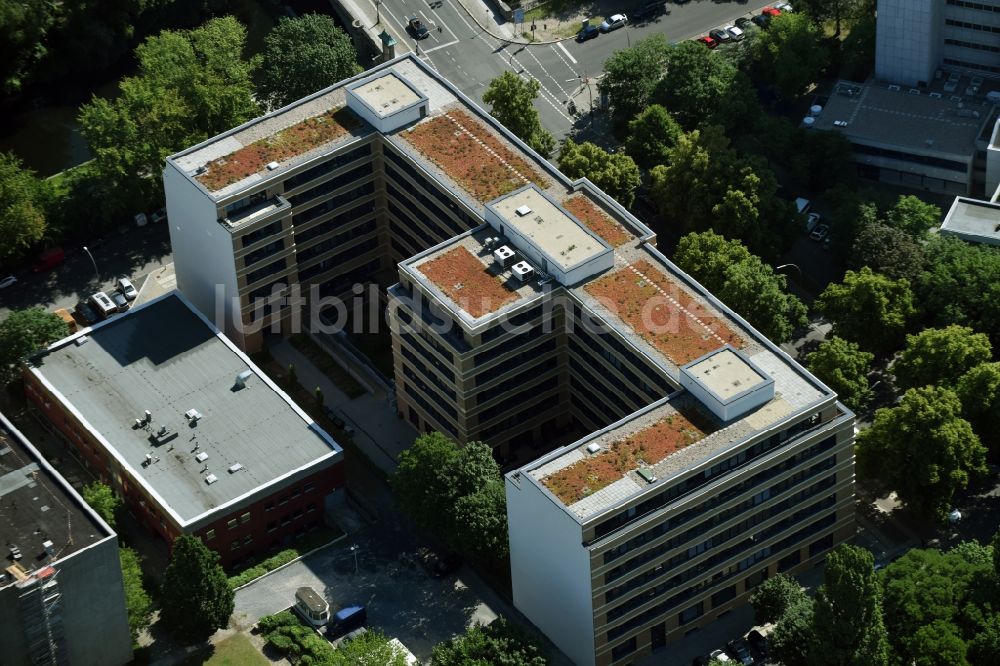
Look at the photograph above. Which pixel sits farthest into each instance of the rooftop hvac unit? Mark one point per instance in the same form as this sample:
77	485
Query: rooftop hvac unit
241	379
271	166
523	210
504	255
193	415
523	271
201	457
593	447
49	547
815	110
235	468
211	478
808	121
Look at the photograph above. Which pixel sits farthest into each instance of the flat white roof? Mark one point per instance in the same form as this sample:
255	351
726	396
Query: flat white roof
548	226
973	220
387	94
725	374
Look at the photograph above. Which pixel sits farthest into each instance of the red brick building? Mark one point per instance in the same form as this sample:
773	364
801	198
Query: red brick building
190	433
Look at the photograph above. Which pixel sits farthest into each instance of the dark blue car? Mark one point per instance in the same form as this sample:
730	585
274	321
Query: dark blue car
589	32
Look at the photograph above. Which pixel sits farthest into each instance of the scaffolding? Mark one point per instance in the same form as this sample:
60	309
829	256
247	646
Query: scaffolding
41	616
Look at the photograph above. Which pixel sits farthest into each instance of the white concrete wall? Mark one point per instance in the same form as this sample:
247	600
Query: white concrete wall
550	570
908	40
203	252
993	163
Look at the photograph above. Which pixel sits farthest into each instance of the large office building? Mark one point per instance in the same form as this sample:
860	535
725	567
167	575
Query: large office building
62	600
162	407
666	456
918	39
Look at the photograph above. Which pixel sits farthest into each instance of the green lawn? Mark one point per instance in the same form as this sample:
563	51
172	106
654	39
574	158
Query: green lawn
237	650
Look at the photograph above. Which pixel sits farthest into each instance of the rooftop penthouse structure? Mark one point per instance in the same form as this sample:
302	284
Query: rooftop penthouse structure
664	456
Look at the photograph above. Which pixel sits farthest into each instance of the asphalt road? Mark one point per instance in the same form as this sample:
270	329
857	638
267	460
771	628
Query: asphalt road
470	57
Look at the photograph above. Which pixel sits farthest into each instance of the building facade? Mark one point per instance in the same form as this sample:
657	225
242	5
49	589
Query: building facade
159	405
62	600
917	38
667	457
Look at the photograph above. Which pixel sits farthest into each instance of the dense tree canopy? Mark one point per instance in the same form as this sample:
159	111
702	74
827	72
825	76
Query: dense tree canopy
457	493
190	85
940	356
302	55
651	135
511	101
500	643
923	449
847	614
772	598
743	282
196	597
869	309
23	25
631	75
103	500
979	391
137	602
842	366
959	285
25	331
889	251
913	216
615	173
22	216
791	641
790	54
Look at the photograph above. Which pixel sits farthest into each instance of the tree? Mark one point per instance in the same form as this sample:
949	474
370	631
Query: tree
838	11
984	648
822	159
869	309
500	643
742	281
772	598
973	552
842	366
789	54
651	135
370	649
511	99
940	356
790	643
302	55
456	493
137	601
190	85
959	285
847	613
25	331
694	81
22	218
923	449
103	500
889	251
23	26
913	216
979	391
197	598
616	173
938	644
631	75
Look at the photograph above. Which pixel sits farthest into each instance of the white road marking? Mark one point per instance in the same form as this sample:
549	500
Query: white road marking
546	72
454	41
568	54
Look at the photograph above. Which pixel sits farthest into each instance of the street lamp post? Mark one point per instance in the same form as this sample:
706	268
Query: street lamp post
354	550
378	14
97	274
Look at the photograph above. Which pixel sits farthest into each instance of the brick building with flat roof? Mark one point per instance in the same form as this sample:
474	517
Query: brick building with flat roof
161	406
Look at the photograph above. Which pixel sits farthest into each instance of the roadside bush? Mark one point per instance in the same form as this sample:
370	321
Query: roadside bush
307	543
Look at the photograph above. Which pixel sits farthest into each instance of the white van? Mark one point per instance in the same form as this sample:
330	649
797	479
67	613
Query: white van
313	608
104	306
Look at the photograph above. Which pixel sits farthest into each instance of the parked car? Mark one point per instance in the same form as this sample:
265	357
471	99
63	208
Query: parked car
439	563
49	259
587	32
736	34
739	650
707	41
771	11
742	23
313	608
757	642
159	215
85	314
141	219
811	221
65	315
357	633
762	21
8	281
337	421
417	28
719	35
347	619
118	298
613	22
784	7
124	285
820	232
718	655
103	305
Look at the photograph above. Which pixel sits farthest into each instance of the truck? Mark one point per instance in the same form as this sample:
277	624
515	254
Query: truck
313	608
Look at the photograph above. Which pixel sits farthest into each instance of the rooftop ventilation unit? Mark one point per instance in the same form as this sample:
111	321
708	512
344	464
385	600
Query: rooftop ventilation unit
241	379
201	457
211	478
15	552
200	170
50	548
523	270
893	86
504	255
149	415
646	474
934	95
271	166
523	210
593	447
193	415
913	91
235	468
162	435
